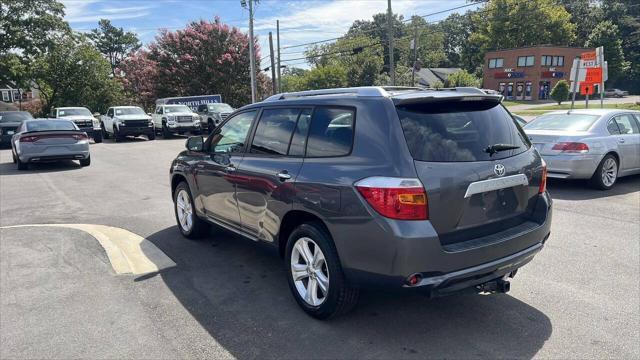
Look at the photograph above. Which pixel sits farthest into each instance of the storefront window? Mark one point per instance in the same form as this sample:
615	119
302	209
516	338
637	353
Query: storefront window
495	63
526	61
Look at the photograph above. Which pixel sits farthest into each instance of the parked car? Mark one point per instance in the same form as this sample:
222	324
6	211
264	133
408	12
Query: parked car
9	123
83	118
47	140
211	115
121	121
175	119
597	144
616	93
402	188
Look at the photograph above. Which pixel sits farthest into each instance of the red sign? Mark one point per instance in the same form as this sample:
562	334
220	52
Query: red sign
586	88
593	76
588	56
552	74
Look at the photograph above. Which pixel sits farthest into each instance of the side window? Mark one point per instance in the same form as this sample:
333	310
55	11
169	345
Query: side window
331	132
612	127
627	124
110	112
231	136
274	131
202	108
299	138
159	110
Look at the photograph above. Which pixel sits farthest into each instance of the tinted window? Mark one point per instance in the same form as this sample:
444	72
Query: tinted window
562	122
331	132
130	111
274	131
299	139
232	135
50	125
626	124
459	131
17	116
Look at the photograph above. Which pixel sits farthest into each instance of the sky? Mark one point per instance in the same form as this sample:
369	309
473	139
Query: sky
301	21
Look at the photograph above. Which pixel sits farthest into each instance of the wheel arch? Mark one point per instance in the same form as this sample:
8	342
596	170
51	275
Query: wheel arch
293	219
175	180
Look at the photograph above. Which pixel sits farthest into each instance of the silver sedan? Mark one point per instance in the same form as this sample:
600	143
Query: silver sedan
596	144
45	140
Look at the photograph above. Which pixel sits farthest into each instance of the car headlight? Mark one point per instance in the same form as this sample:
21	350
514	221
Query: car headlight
95	122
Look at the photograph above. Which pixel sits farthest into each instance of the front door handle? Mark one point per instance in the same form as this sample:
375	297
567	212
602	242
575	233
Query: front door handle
284	175
230	168
621	141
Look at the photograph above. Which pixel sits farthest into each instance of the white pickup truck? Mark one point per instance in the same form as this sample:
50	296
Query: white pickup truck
176	119
122	121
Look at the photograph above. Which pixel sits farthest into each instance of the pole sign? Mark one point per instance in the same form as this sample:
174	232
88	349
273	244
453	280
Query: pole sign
593	75
586	89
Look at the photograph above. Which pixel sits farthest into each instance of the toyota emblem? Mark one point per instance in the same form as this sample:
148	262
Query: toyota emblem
499	169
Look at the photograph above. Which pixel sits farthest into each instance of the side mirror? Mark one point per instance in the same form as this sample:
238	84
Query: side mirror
195	143
96	114
150	114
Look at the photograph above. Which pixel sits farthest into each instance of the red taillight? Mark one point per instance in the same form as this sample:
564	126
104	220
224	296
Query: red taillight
543	180
29	138
571	147
81	137
395	198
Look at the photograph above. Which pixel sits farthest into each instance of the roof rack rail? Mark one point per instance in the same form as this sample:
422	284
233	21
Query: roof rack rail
358	91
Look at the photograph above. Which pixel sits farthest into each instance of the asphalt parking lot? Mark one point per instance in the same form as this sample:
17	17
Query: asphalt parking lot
228	297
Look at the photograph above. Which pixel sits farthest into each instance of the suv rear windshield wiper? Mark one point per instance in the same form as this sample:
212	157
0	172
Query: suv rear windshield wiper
492	149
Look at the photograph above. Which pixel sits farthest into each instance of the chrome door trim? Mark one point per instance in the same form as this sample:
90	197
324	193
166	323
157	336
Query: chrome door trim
496	184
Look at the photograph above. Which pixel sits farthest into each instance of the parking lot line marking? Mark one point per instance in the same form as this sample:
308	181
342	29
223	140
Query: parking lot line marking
128	253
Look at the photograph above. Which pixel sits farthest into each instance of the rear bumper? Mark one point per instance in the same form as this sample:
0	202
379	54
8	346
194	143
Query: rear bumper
72	152
572	166
393	254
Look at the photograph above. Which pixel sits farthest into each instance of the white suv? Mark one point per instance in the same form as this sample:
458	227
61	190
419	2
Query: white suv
175	119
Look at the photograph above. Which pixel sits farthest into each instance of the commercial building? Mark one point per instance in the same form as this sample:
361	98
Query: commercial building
528	73
428	77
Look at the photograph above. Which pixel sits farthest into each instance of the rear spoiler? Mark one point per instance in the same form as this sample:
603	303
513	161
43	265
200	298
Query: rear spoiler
426	98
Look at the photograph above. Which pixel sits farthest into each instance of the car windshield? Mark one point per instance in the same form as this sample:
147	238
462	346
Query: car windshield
50	125
74	111
130	111
460	131
16	116
176	109
220	107
562	122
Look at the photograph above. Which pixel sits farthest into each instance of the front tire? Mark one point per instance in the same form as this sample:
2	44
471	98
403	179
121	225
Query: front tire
315	275
190	225
105	133
606	174
165	132
152	135
116	134
97	137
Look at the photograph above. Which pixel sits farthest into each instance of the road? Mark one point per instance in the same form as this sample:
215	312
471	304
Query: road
228	298
595	103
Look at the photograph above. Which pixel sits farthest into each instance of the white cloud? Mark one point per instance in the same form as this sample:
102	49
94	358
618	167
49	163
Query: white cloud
91	11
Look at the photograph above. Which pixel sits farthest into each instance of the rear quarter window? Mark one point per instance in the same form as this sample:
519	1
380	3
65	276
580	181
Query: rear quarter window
331	132
458	131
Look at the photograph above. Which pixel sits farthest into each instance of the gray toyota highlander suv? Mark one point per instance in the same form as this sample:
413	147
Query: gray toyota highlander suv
399	188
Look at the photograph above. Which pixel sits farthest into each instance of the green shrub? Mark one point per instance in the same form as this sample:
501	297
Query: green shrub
560	92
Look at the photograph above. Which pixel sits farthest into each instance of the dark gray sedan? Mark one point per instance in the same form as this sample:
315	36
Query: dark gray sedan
46	140
9	123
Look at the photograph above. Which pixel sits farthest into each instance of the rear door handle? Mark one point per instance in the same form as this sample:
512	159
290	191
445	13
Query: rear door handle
621	140
230	168
284	175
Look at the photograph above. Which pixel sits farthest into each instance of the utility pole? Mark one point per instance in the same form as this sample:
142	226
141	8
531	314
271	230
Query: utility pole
278	43
252	55
392	70
575	86
415	54
273	64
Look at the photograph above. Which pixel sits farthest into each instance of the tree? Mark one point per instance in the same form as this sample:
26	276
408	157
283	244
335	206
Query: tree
585	14
324	77
625	14
430	44
138	74
74	73
560	92
461	78
506	24
114	43
27	30
606	34
204	58
377	29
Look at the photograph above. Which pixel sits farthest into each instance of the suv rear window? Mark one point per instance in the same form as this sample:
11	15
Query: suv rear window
331	132
456	131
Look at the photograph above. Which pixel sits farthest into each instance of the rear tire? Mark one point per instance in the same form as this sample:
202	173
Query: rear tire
13	156
21	165
210	126
85	162
340	297
606	173
189	224
165	132
152	135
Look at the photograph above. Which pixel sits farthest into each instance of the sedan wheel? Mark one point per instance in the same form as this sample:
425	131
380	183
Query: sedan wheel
606	174
309	271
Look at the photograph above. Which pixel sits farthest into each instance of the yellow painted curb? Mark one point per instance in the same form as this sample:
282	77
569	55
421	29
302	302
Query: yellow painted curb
128	253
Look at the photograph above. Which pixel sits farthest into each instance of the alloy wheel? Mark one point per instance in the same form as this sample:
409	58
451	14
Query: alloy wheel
309	271
184	210
609	172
